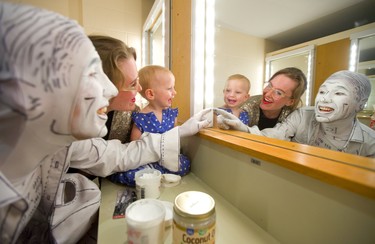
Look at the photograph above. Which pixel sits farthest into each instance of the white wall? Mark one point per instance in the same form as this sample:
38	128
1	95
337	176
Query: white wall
120	19
236	52
61	6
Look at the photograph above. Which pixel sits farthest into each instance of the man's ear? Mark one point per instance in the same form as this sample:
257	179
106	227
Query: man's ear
149	93
361	105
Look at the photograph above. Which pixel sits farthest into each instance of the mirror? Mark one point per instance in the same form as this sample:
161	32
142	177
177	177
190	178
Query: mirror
231	50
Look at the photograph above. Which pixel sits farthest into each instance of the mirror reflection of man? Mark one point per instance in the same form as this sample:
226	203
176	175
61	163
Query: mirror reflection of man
331	124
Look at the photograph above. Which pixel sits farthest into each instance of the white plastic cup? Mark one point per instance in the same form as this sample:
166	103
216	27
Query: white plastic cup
145	222
147	183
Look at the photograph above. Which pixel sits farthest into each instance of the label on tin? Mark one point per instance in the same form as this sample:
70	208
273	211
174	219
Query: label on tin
183	235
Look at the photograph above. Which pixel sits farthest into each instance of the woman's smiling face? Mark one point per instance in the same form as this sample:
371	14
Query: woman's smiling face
126	99
281	83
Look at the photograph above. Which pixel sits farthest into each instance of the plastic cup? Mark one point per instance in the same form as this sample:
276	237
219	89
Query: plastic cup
147	183
145	222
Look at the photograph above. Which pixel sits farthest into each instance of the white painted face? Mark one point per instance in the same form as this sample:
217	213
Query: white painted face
52	87
335	100
89	113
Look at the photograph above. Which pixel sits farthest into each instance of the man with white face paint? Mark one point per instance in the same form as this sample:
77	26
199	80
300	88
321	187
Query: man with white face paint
51	85
54	92
331	124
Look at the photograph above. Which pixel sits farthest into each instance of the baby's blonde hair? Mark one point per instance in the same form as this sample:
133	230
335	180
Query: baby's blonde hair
148	76
242	78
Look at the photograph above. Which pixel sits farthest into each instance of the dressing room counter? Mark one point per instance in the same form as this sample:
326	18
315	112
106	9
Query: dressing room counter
232	226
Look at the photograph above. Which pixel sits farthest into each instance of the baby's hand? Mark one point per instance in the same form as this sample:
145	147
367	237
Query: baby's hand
227	121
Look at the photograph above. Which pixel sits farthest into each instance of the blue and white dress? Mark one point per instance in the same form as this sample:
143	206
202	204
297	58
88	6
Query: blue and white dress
244	116
148	122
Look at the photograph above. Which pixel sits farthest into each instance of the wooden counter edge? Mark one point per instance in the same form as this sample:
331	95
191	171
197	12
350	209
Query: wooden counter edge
326	165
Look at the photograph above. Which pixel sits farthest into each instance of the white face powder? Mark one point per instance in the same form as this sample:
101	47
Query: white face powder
144	212
147	183
152	175
145	221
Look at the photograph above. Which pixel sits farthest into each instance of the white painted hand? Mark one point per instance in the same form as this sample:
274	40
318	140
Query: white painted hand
195	123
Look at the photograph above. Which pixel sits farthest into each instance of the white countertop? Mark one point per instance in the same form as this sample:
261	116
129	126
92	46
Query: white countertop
232	226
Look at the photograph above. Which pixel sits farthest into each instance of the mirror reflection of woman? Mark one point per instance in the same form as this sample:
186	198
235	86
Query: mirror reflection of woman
281	96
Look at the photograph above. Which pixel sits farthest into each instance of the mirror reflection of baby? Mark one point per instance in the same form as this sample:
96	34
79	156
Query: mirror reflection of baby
157	116
236	92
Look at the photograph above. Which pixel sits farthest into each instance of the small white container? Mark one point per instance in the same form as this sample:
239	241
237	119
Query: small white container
145	220
147	183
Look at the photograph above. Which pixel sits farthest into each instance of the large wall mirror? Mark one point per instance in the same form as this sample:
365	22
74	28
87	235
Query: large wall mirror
231	50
